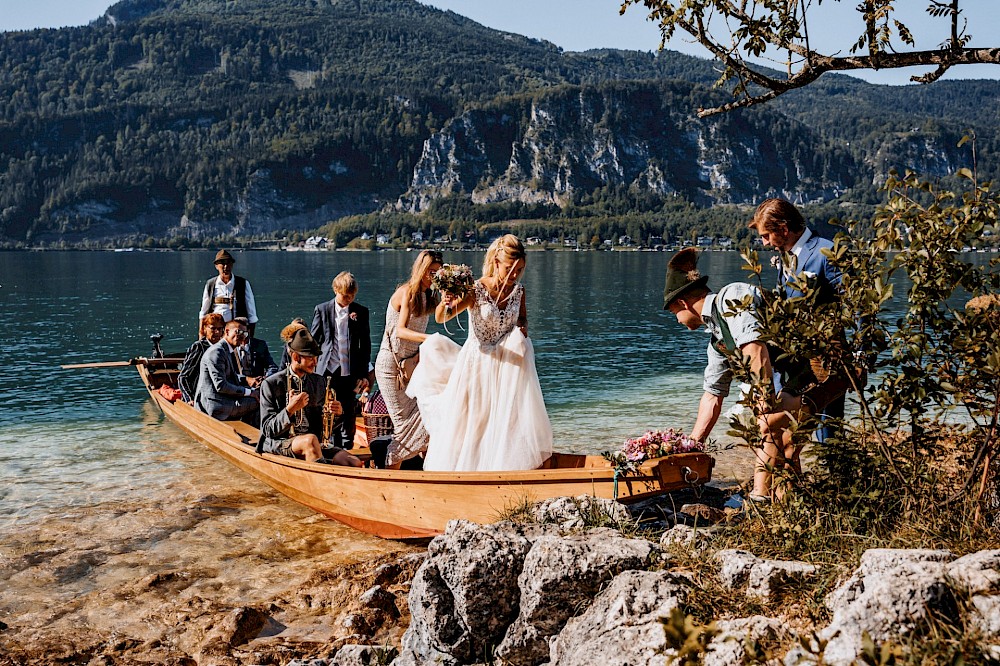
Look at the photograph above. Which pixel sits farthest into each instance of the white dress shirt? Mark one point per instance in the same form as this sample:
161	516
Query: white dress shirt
343	359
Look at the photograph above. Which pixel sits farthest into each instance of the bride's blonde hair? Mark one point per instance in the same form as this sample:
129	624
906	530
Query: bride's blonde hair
506	247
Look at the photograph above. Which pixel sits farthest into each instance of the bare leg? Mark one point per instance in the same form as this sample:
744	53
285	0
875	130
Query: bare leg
344	458
308	447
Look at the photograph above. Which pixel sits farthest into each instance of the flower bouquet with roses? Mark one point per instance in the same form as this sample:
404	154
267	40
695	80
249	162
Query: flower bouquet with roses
652	444
454	279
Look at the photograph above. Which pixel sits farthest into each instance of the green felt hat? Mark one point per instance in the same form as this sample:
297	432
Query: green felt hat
682	276
303	343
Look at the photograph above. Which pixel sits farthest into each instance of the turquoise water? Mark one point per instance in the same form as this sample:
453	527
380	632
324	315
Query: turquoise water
610	361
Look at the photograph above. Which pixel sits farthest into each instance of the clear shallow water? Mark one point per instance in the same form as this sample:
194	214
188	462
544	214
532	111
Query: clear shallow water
611	362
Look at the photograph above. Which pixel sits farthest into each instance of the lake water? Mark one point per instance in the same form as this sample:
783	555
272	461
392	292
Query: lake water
611	362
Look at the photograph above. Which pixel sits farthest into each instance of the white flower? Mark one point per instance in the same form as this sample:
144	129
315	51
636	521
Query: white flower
776	262
693	275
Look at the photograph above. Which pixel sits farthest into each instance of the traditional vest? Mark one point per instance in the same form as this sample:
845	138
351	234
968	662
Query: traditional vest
239	295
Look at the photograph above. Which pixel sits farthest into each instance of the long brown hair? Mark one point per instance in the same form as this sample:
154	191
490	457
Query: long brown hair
414	286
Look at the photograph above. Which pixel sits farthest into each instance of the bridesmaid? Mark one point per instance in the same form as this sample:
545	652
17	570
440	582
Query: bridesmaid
405	324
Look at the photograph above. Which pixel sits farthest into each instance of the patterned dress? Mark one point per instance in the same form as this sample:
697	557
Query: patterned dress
409	436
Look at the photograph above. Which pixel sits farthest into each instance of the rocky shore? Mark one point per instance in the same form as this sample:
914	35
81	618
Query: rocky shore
553	589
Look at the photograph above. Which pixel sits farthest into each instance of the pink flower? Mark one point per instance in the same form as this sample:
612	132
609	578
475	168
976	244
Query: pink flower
353	316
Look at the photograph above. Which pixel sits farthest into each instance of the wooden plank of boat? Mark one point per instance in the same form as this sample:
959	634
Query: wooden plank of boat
397	504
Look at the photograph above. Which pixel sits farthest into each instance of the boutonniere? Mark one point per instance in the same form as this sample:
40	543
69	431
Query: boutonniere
353	316
776	262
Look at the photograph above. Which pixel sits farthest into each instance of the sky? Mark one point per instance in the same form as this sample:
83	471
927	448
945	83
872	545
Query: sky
578	25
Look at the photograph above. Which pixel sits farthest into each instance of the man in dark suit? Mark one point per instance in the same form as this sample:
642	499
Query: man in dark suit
255	357
221	393
340	327
292	407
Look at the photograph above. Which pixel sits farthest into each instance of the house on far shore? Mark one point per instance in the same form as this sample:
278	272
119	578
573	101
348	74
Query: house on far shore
316	243
382	239
625	241
533	240
417	237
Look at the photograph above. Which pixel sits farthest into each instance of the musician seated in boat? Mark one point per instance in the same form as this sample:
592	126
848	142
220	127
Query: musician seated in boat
293	403
222	393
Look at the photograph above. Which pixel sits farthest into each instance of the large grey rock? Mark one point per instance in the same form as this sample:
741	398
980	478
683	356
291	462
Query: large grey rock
878	561
464	595
892	594
739	569
695	539
977	573
984	616
978	576
573	512
728	647
560	575
623	625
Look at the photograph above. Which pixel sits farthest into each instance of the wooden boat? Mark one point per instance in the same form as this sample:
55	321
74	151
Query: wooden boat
397	504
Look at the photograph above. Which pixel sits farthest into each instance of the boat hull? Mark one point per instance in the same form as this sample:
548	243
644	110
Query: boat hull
398	504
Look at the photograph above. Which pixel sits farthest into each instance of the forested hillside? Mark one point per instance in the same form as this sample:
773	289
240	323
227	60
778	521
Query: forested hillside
189	119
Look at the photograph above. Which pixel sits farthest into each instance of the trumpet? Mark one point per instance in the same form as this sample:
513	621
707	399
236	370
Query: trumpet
299	425
328	418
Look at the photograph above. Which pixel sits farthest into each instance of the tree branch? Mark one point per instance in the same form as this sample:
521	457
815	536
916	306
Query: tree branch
943	58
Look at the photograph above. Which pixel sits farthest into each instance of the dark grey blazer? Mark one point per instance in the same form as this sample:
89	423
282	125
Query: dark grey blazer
324	331
219	389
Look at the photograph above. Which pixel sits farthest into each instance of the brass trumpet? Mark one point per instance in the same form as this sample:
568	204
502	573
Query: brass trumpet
328	418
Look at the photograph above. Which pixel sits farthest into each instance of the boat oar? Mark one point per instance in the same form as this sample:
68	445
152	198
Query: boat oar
124	364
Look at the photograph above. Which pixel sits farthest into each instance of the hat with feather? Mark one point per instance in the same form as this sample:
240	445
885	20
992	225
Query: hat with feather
682	275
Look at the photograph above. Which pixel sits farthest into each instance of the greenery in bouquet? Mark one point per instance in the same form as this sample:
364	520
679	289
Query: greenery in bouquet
454	279
652	444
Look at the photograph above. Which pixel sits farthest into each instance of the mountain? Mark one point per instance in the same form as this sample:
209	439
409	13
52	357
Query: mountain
201	118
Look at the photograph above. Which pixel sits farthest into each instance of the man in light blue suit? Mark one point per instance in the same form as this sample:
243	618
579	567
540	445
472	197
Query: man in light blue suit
222	393
781	226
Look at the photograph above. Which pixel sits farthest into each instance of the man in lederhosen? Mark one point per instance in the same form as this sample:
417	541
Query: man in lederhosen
229	295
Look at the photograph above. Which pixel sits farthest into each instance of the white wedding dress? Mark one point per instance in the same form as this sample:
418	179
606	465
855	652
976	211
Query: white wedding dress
481	403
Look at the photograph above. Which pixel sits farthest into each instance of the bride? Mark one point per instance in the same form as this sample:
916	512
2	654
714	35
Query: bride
481	403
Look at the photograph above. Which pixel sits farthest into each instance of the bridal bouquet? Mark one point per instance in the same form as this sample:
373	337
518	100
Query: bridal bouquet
653	444
453	278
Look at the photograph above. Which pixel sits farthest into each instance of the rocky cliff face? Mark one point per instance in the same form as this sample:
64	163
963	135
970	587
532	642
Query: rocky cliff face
645	136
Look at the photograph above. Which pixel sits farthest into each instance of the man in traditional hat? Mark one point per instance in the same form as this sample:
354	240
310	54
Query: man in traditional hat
729	316
229	295
221	392
291	421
